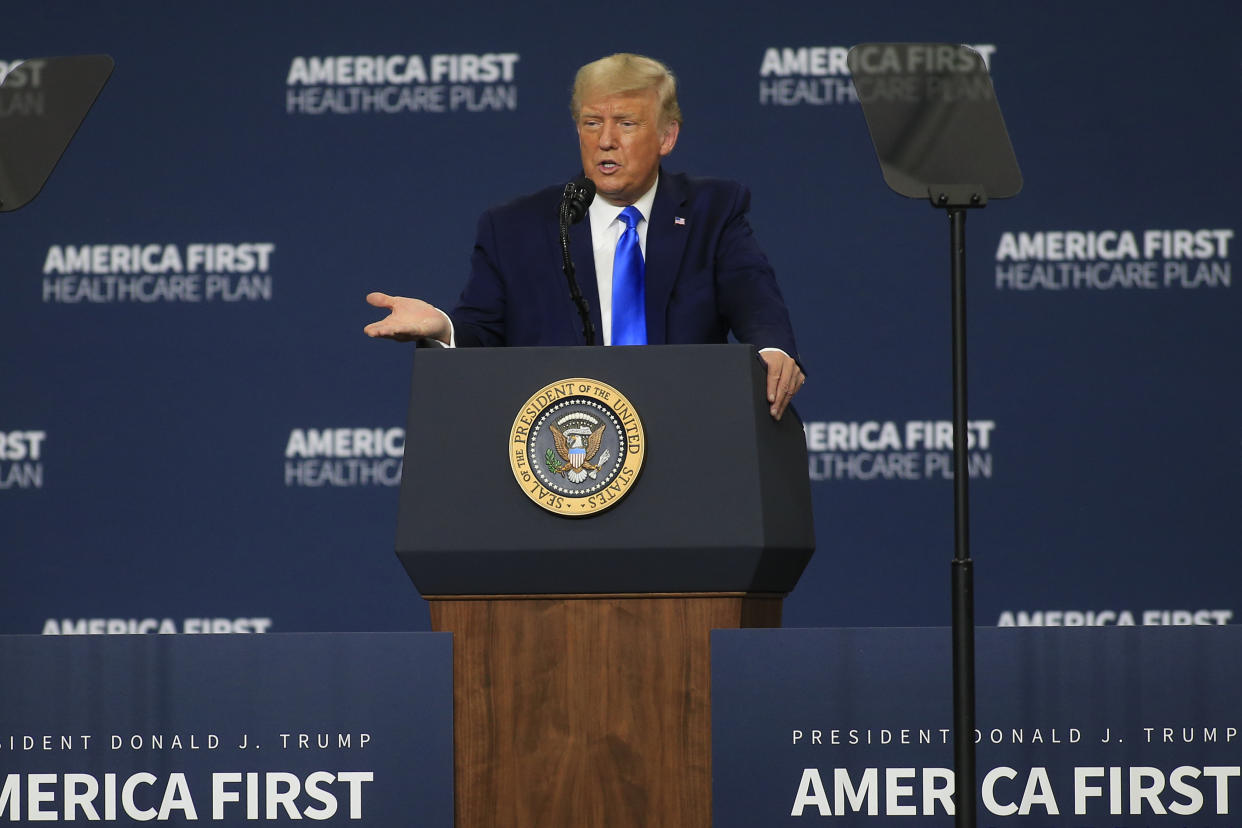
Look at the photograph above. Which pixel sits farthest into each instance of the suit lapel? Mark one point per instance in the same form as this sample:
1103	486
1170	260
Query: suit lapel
666	241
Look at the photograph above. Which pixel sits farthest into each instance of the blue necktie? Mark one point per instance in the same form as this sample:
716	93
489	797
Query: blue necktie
629	311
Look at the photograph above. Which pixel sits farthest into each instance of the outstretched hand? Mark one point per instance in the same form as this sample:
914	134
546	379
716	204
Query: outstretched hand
408	319
785	379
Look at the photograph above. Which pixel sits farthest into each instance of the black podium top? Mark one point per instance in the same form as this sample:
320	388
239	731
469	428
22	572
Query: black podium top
722	503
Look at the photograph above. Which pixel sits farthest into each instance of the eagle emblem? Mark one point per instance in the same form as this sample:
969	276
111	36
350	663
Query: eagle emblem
576	447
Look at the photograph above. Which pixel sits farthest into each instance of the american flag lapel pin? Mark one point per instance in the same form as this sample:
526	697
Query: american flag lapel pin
679	220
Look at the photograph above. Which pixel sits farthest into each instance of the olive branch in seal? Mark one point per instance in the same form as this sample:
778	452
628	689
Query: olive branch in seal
550	460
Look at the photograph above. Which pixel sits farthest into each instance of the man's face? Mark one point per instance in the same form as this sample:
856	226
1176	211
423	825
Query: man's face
622	143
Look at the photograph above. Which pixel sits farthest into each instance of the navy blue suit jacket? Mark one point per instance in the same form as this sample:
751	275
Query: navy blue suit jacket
705	273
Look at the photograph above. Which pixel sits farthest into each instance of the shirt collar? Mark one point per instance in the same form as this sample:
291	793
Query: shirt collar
604	212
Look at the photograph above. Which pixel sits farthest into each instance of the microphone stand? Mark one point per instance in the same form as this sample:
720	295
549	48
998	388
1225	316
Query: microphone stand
567	265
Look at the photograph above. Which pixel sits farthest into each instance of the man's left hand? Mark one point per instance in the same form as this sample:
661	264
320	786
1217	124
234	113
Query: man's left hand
785	379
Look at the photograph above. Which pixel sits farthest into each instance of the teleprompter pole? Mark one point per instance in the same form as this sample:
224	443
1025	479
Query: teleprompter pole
962	572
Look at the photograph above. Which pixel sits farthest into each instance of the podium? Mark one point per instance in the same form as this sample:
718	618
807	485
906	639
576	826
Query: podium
581	661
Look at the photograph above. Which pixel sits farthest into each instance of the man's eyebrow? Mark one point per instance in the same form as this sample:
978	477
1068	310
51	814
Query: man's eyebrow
630	116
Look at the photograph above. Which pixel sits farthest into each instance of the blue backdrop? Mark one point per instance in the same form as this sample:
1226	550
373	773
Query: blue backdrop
197	436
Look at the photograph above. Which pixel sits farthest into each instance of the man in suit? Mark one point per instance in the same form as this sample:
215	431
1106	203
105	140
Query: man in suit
700	273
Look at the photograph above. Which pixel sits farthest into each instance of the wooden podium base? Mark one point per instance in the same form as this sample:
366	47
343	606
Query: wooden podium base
586	710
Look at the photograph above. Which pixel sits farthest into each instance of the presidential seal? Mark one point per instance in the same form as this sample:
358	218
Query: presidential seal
576	447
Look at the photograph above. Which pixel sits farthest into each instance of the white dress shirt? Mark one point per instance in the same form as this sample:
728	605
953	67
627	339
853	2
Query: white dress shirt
606	229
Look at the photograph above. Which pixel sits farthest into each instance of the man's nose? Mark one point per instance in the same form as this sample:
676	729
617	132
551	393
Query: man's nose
607	136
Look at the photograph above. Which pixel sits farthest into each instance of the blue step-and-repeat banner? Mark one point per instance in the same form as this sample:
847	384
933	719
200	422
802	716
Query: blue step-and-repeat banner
1075	727
195	435
339	728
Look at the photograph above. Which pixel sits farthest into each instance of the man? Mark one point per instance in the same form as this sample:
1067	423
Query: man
684	268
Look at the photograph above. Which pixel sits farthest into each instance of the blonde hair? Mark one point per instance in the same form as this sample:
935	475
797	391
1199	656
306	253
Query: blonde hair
625	72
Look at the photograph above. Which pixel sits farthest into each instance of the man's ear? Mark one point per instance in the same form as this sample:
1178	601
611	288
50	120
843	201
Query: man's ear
669	139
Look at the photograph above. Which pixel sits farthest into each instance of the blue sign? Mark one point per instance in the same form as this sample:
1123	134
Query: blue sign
1093	728
227	729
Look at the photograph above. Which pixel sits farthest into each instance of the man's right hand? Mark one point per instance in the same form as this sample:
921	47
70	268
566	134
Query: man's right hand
408	319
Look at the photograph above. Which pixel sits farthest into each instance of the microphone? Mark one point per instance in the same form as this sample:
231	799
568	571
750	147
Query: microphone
577	198
574	203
